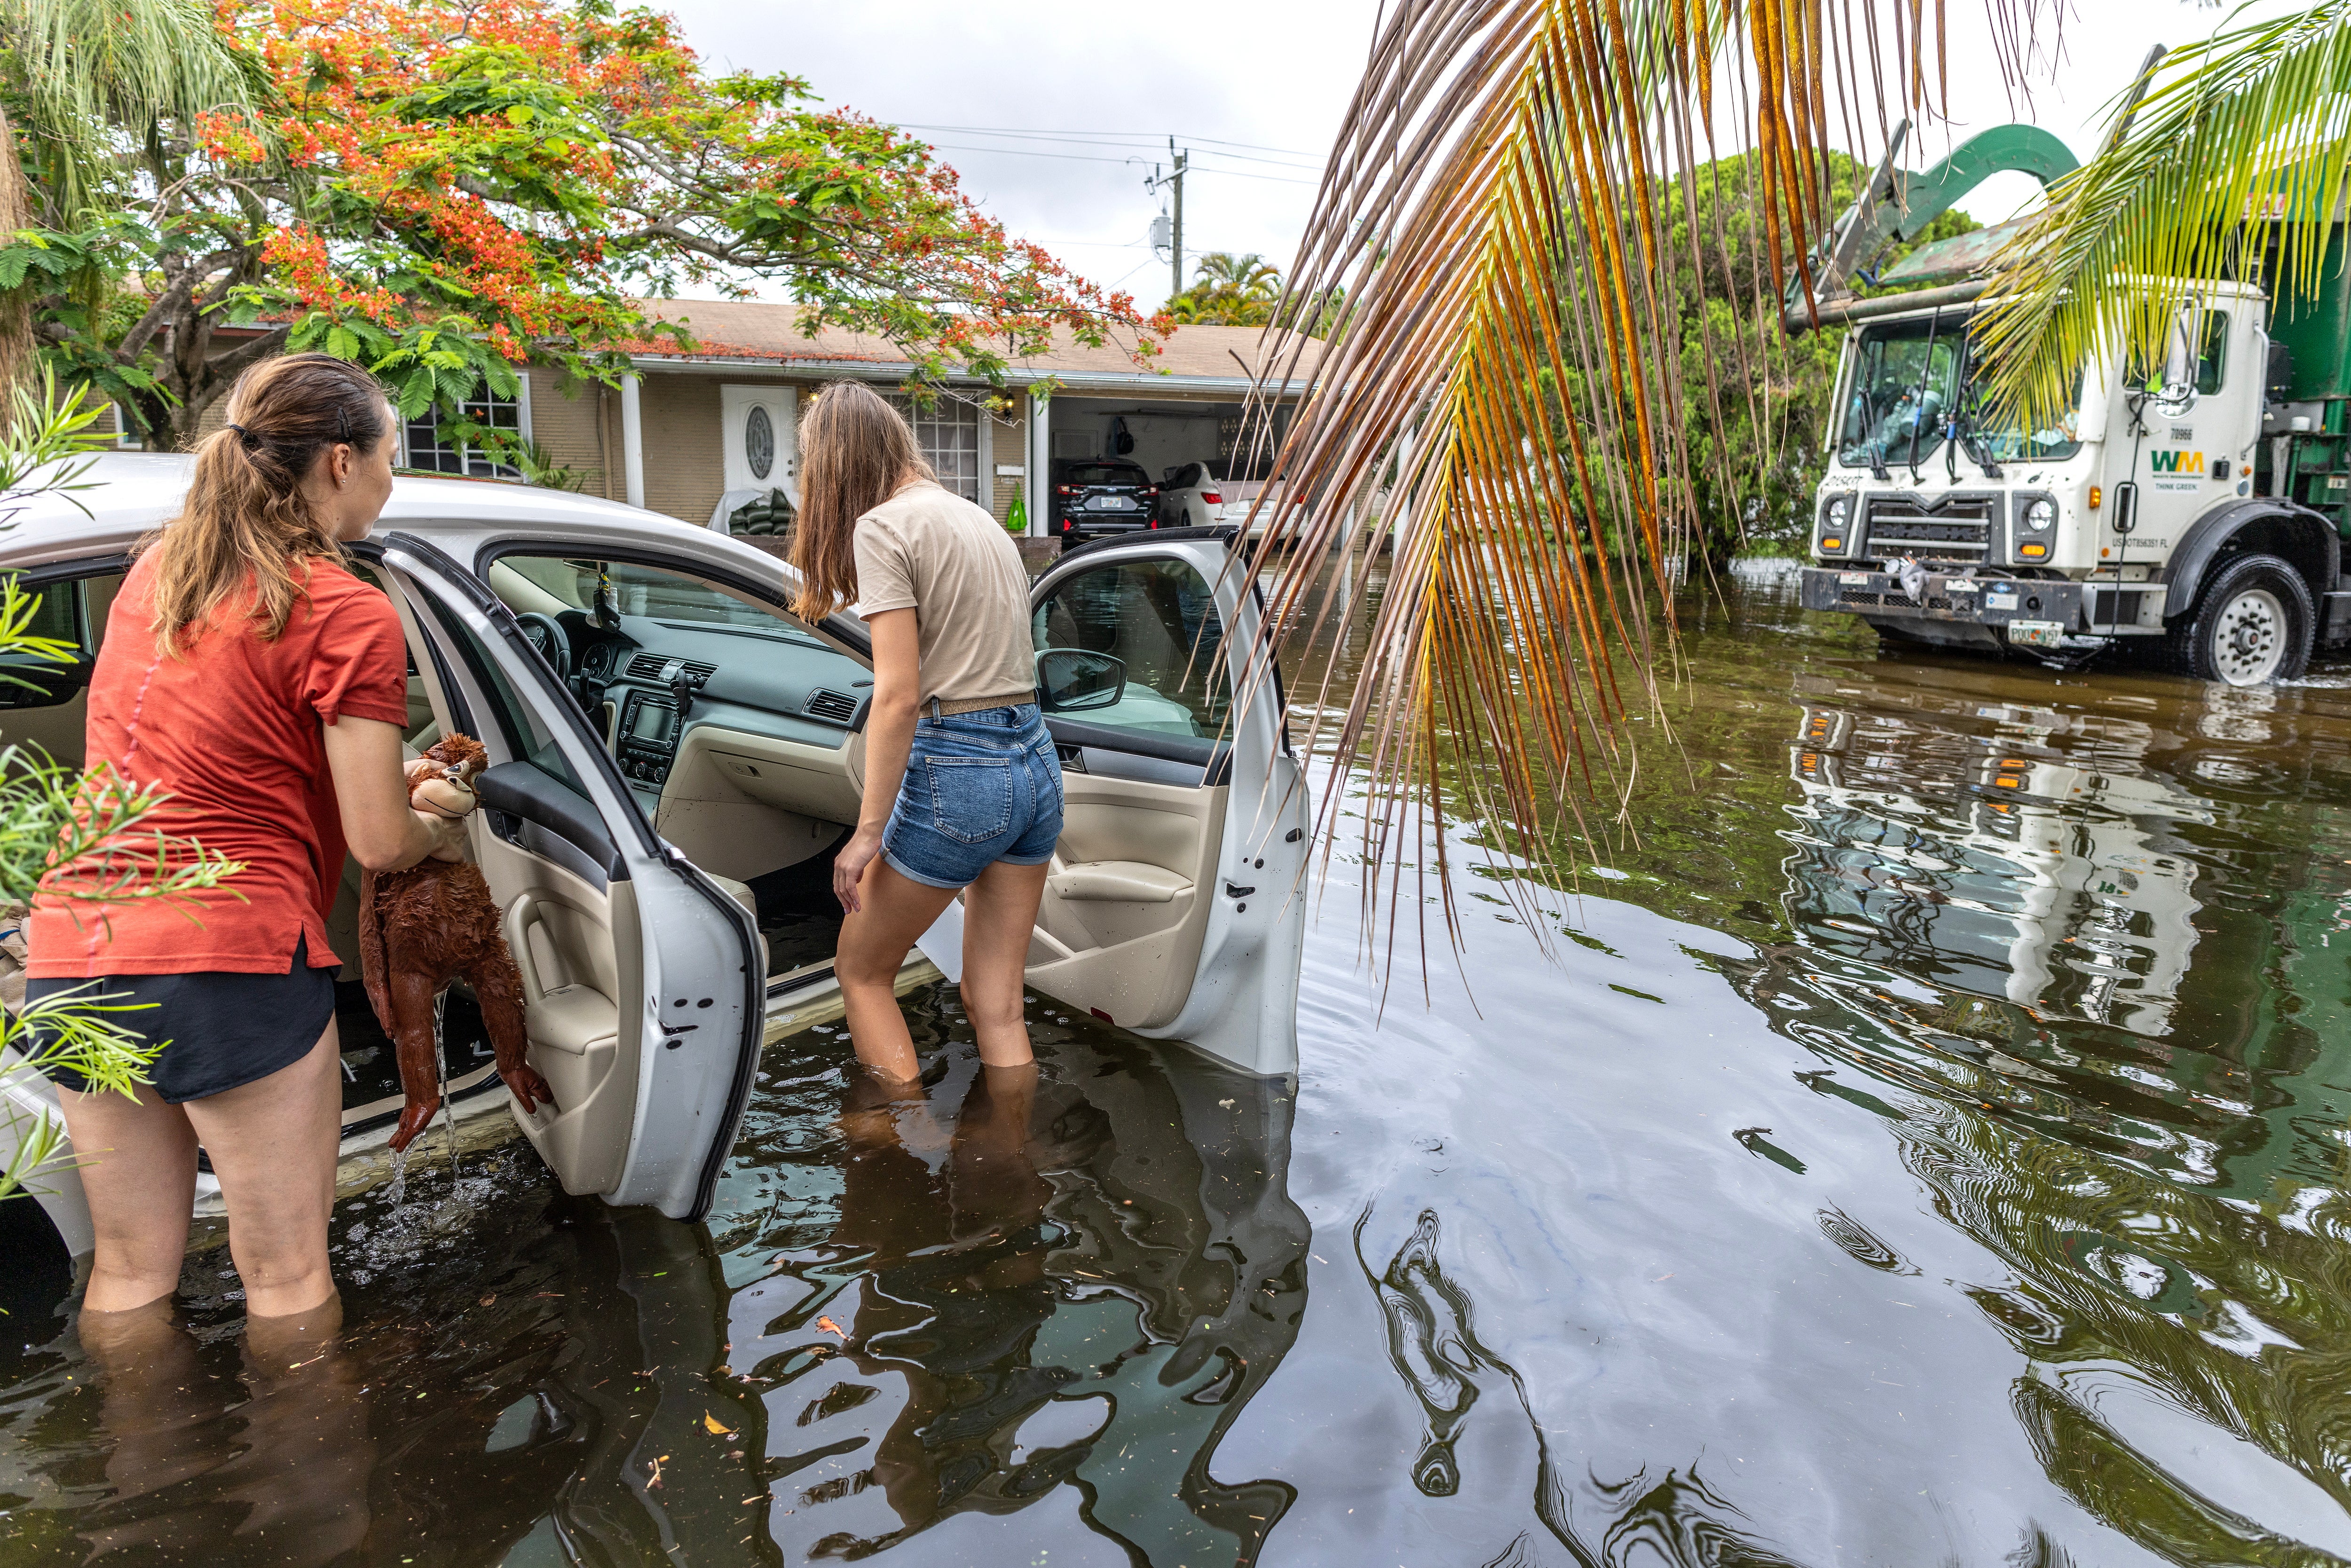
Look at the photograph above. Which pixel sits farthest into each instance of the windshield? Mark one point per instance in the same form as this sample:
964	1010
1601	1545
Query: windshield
1910	381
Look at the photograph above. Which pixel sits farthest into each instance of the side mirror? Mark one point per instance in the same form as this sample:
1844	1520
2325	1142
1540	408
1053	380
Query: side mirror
1070	680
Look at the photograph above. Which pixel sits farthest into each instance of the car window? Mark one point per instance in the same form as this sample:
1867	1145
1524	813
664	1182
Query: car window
527	734
1104	474
574	584
1157	619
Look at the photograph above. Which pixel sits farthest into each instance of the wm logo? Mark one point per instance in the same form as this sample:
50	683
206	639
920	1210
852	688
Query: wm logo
2177	461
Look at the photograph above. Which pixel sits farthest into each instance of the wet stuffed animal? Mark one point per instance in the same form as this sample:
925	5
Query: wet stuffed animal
432	923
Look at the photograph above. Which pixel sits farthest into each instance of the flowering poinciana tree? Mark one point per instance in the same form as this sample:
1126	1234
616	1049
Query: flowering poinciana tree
441	190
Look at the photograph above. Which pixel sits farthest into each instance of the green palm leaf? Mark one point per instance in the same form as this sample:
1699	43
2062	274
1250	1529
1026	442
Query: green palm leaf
2241	142
149	63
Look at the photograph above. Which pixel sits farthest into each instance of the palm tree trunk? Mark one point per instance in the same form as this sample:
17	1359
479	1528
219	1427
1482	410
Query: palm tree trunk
15	310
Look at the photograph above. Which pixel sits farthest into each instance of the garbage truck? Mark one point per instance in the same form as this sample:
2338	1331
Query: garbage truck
2192	510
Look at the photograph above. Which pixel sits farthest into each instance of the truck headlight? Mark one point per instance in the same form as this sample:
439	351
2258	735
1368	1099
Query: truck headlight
2042	514
1836	515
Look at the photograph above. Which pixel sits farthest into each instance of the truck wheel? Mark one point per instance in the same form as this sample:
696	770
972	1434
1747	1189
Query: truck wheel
2251	625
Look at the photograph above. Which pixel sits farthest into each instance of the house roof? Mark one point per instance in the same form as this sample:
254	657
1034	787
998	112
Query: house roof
729	332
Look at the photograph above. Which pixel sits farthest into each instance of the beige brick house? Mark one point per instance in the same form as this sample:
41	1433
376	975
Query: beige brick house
717	425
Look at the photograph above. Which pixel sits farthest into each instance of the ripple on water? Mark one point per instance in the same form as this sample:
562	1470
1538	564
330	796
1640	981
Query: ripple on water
1928	1147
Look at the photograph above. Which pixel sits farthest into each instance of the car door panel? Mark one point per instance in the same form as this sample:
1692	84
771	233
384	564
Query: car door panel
656	1108
1171	908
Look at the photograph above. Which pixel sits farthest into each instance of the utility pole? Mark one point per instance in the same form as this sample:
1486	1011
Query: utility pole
1176	248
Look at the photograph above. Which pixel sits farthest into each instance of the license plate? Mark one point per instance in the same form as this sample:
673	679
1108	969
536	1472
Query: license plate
1852	579
2000	602
1109	504
2037	633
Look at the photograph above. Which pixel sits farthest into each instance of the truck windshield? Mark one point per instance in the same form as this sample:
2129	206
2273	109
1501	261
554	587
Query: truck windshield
1909	378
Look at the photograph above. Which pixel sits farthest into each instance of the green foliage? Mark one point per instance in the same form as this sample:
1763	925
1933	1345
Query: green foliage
444	192
2232	167
98	823
1229	290
1756	403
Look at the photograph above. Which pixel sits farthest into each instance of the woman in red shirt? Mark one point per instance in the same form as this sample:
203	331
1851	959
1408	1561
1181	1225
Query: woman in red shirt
251	678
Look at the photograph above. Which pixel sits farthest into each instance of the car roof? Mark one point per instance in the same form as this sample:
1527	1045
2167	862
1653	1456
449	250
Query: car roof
122	496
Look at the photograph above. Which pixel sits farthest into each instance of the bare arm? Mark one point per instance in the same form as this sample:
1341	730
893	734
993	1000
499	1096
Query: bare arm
889	737
371	791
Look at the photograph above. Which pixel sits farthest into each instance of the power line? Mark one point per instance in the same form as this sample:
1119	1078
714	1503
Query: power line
1095	158
1111	138
1139	146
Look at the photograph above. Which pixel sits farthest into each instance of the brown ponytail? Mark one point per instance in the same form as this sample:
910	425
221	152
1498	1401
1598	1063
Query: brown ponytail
856	452
247	518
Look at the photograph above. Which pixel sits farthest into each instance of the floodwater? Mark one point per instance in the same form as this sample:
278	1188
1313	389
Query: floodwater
1925	1144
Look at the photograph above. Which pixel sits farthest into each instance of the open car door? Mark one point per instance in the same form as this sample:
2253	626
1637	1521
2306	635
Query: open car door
1175	906
642	980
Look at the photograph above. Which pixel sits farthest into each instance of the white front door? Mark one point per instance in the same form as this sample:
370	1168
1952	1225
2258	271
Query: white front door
761	439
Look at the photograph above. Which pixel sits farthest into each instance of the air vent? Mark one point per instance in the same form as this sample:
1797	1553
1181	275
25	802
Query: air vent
649	667
834	707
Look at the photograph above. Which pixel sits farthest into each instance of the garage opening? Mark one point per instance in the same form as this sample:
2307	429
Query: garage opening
1195	455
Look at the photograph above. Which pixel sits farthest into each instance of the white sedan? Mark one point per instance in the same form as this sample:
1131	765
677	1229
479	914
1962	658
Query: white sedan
675	758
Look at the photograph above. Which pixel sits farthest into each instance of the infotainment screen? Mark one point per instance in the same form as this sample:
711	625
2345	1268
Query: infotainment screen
652	724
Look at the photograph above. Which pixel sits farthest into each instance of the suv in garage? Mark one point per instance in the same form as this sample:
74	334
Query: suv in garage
674	758
1095	497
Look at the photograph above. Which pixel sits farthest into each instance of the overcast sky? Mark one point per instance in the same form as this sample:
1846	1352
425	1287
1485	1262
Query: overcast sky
1050	99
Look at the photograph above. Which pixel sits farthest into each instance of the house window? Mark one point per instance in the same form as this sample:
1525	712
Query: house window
427	451
947	434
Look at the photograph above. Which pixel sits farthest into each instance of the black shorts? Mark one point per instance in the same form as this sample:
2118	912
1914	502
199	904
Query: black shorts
223	1030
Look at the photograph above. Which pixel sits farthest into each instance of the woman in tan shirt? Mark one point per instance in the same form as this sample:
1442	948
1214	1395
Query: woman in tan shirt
963	790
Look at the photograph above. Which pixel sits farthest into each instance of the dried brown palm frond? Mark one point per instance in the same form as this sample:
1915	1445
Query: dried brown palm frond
1502	395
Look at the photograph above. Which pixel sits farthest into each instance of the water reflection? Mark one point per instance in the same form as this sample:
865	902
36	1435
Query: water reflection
2010	913
1974	848
279	1454
1029	1285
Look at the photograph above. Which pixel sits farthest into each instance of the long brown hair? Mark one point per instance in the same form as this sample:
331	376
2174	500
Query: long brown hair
247	518
856	452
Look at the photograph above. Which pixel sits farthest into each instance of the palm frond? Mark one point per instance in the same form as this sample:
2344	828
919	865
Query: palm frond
2250	128
1500	395
87	65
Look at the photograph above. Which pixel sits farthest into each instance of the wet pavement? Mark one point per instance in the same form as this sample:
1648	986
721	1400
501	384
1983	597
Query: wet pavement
1924	1142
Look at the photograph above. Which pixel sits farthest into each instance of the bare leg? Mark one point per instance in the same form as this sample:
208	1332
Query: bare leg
163	1415
417	1052
998	917
498	986
272	1144
874	943
304	1471
138	1171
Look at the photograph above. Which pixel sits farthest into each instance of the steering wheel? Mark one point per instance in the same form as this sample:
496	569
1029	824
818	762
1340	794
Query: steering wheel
545	634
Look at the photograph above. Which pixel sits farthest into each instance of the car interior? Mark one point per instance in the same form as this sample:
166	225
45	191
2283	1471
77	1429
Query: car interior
737	732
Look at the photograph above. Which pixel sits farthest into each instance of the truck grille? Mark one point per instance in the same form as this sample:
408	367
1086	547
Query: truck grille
1956	530
1863	599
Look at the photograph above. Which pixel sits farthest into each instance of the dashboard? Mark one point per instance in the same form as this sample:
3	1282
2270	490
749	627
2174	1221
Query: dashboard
666	678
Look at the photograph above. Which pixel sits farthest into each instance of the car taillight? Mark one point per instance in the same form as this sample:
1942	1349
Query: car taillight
1067	525
1150	489
1155	522
1065	489
1213	498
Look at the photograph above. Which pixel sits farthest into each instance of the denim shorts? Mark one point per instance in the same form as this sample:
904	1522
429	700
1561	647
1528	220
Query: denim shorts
980	786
